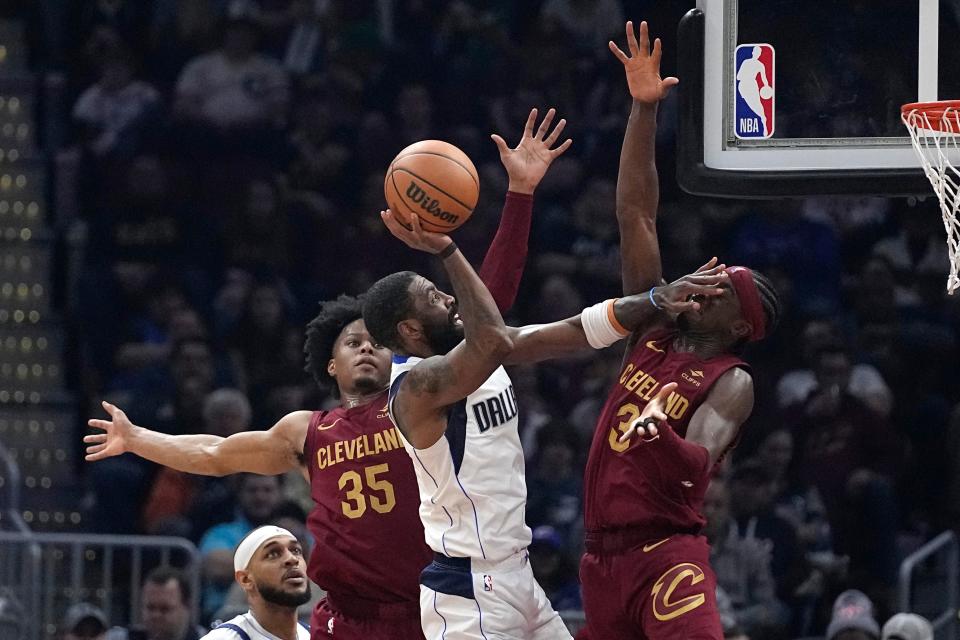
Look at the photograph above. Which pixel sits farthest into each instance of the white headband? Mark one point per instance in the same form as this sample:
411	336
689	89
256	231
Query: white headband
254	540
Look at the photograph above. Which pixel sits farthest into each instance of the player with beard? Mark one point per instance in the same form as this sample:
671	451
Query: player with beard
269	566
456	409
646	572
370	545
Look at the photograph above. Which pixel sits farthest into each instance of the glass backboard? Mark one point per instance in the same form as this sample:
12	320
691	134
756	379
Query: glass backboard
800	97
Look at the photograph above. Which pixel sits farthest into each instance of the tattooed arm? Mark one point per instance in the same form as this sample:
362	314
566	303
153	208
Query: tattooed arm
424	393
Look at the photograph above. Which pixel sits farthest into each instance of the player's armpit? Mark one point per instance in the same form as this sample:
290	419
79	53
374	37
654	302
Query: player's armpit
716	424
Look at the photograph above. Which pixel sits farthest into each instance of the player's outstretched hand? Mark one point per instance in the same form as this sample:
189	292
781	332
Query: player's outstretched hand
414	236
686	293
642	66
527	163
653	414
115	437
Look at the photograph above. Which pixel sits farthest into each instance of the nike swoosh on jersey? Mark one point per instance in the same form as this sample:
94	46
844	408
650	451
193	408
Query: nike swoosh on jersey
647	548
324	427
652	345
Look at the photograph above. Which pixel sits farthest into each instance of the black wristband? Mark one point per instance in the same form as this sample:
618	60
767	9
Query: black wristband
447	251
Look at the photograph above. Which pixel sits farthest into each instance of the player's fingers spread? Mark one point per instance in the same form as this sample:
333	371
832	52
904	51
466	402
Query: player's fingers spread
621	56
95	438
545	125
97	448
557	130
559	150
657	51
99	424
531	119
710	264
500	142
632	40
644	45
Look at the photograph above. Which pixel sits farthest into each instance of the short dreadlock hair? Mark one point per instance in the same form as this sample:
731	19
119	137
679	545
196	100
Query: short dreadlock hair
322	334
769	300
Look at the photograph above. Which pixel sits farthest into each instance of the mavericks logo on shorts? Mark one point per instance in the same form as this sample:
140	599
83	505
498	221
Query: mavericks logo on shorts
754	91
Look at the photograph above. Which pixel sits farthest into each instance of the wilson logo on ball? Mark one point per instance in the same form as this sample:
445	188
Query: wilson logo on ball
419	196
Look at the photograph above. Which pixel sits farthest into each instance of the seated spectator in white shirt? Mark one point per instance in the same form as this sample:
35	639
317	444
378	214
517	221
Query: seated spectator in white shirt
113	112
233	87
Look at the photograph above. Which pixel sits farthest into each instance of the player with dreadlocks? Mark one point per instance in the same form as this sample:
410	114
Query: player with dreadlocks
370	546
646	572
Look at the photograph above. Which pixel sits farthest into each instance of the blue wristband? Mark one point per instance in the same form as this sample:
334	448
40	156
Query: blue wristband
653	302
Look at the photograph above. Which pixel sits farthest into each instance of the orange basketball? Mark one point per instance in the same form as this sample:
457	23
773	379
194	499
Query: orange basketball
435	180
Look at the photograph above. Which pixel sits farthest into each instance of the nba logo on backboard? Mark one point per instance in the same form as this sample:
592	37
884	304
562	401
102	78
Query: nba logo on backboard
753	87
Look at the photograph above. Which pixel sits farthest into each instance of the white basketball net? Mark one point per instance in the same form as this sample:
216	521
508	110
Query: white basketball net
935	137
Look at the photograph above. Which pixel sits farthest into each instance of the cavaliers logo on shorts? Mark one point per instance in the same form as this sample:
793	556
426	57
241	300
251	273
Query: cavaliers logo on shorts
674	593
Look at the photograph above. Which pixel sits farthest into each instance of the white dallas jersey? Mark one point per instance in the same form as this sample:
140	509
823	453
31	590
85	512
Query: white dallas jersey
250	628
473	490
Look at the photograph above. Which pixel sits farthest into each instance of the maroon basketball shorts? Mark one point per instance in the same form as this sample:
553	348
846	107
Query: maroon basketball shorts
654	590
329	620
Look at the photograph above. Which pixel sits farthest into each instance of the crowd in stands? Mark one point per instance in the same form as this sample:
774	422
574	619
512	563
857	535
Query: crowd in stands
232	157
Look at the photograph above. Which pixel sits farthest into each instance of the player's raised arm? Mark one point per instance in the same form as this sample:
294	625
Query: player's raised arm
526	164
271	452
607	322
420	402
638	191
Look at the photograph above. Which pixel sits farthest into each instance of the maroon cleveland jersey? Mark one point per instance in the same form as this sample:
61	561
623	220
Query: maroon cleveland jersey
630	484
369	539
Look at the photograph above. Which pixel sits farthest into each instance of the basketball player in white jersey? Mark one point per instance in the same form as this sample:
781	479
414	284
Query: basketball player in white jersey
455	407
750	90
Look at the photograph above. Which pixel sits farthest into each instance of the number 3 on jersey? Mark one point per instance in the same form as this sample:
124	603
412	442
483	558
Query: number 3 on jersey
632	412
356	503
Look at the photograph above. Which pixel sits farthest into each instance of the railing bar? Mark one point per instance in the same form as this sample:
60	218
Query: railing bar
135	581
76	570
108	581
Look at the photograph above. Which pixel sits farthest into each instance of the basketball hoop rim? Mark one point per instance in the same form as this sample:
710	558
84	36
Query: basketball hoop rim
934	113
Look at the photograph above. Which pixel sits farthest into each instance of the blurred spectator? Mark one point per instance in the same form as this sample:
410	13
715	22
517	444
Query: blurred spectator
257	236
554	569
84	621
907	626
11	616
555	483
853	618
806	251
257	498
258	343
116	113
591	23
303	43
742	567
165	601
851	455
234	94
176	495
752	488
866	384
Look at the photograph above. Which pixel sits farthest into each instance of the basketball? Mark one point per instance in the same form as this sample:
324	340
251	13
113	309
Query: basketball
766	93
435	180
